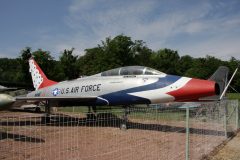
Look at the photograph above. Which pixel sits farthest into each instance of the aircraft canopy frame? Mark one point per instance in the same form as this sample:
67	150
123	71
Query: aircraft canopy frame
131	70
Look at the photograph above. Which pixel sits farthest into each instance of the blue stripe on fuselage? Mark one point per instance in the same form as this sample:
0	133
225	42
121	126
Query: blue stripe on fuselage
123	98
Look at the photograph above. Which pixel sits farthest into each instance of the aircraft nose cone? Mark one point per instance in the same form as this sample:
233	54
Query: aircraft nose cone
5	100
195	89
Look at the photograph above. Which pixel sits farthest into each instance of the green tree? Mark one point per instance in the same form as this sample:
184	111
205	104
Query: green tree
184	63
203	67
92	62
46	62
142	54
110	54
10	70
68	63
232	64
117	51
25	55
165	60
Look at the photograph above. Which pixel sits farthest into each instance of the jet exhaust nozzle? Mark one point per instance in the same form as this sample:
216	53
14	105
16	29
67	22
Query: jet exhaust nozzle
217	89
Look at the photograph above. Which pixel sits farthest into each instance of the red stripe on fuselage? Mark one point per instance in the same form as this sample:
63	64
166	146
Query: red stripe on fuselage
193	90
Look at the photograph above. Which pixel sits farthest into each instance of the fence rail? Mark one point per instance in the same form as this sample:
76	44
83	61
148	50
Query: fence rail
153	133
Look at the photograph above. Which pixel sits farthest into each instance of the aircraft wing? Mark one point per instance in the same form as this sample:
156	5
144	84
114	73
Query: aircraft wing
2	89
57	98
62	101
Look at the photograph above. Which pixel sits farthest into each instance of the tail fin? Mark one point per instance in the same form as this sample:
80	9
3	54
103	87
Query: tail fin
220	77
38	77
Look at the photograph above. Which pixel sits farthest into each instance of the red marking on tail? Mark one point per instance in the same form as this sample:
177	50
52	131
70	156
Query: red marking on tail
39	78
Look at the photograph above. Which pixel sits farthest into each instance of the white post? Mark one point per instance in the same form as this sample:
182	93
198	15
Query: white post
225	121
237	115
187	134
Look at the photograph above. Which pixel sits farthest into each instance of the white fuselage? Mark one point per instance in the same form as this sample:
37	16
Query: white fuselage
116	89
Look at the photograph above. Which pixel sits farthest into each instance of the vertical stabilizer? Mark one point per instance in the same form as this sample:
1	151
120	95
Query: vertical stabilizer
221	77
38	77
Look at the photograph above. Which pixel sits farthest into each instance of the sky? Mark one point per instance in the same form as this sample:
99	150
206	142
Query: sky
197	28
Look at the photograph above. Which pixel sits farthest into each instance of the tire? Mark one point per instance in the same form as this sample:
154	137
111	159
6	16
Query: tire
123	127
38	110
45	120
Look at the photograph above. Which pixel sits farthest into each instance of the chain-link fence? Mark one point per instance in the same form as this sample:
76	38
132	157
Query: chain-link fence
210	125
152	133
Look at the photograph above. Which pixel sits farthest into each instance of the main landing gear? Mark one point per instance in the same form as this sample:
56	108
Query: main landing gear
46	118
92	112
124	123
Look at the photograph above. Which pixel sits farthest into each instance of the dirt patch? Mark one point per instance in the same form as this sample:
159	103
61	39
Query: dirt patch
28	136
229	151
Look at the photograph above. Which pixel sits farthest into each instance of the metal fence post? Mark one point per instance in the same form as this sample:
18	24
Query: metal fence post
237	115
187	133
225	121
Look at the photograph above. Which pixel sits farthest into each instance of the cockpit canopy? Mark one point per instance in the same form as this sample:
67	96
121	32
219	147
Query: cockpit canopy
131	70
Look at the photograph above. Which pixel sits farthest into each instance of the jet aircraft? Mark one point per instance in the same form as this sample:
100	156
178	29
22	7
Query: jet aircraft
5	99
122	86
2	88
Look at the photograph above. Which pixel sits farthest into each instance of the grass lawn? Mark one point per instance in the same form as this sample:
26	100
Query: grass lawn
233	96
84	109
142	113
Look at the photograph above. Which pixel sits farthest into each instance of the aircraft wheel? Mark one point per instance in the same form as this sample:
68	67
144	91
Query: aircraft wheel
91	116
37	109
123	127
45	119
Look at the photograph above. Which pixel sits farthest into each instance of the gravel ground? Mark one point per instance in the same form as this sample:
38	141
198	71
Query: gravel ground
25	137
230	151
